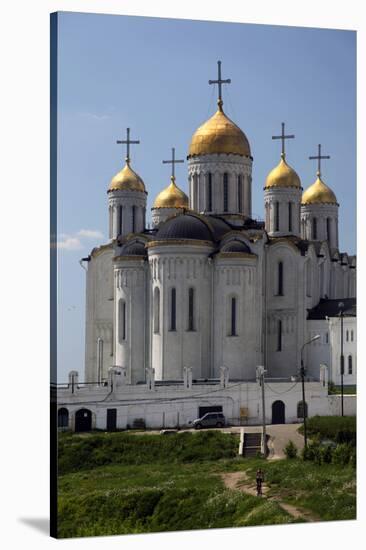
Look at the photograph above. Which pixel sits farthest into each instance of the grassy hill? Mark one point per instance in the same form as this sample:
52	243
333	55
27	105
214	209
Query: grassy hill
119	483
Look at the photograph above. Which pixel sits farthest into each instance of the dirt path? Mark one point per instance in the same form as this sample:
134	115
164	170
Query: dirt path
239	481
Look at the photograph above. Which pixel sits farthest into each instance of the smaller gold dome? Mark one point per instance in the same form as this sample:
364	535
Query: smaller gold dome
171	197
127	180
219	134
318	193
282	176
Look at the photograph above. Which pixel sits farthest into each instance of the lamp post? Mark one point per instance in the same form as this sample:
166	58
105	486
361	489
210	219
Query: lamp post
341	313
302	374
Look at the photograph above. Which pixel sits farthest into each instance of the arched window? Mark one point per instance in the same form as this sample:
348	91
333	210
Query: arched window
280	279
233	317
350	368
209	192
277	216
328	228
133	219
342	364
226	193
191	320
351	335
315	229
279	335
300	410
308	279
156	310
120	220
121	320
240	193
290	216
347	335
173	309
63	418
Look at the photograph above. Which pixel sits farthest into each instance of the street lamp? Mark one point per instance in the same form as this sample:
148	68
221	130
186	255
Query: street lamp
341	313
302	374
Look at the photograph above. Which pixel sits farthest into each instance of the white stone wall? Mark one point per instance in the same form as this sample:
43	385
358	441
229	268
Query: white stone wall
131	310
160	215
182	267
289	309
282	196
99	312
177	406
218	164
237	278
349	349
127	200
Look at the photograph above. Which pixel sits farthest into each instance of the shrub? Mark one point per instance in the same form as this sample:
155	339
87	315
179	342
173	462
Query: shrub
290	450
342	454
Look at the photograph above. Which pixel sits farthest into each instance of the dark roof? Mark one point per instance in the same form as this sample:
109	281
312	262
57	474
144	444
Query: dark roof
185	226
236	246
219	226
133	249
333	308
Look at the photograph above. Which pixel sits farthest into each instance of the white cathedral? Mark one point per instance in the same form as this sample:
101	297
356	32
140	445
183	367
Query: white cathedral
208	293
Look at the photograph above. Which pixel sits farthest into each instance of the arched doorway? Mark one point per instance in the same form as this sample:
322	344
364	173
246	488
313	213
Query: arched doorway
300	413
278	412
63	418
83	420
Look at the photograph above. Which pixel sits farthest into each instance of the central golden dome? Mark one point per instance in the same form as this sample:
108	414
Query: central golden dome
171	197
319	193
282	176
127	180
219	135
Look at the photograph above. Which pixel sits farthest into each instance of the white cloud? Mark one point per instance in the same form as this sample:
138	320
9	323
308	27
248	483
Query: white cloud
90	234
94	116
75	241
70	243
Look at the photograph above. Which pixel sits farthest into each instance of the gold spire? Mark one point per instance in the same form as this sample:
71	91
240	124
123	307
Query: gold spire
127	180
171	197
282	176
318	193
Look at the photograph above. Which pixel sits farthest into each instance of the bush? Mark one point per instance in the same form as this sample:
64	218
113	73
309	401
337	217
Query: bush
341	429
290	450
326	454
342	454
312	452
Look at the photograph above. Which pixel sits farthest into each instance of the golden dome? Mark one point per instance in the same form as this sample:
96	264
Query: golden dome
171	197
318	193
219	135
127	180
282	176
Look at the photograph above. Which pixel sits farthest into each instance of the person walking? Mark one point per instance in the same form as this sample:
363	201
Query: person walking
259	479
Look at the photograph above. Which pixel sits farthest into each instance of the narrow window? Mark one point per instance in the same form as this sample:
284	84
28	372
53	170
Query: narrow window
277	216
209	192
315	229
279	336
280	279
290	216
122	321
326	338
342	364
351	335
226	193
350	364
173	309
233	317
191	309
156	310
133	219
120	220
240	193
300	410
347	335
328	228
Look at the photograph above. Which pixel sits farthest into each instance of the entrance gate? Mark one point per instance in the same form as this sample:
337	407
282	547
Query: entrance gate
83	420
278	412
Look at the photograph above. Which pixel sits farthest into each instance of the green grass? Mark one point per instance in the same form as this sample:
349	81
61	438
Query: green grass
329	426
148	483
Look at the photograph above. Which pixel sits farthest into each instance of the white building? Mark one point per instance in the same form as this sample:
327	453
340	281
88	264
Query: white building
209	289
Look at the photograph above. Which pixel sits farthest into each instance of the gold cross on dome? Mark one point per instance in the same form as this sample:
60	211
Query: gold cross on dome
220	82
128	142
319	158
283	138
173	162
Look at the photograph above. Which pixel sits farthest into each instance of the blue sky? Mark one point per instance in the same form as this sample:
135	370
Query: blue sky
152	75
